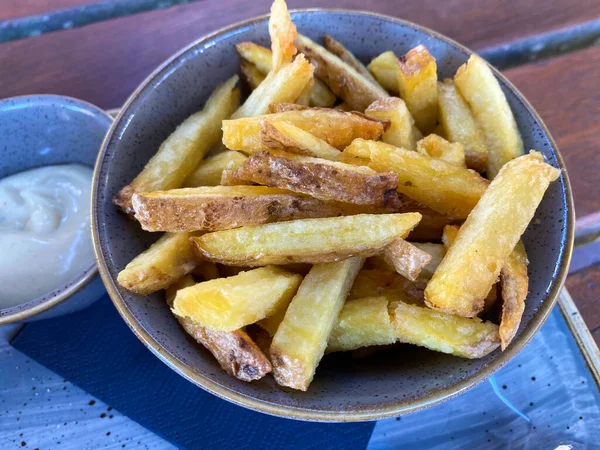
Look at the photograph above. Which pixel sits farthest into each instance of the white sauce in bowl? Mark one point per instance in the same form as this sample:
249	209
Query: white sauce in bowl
45	239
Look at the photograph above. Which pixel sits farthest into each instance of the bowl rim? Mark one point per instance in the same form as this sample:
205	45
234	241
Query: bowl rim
359	414
72	287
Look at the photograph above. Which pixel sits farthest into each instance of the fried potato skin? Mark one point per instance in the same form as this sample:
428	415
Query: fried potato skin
320	178
338	49
286	137
210	170
515	284
406	259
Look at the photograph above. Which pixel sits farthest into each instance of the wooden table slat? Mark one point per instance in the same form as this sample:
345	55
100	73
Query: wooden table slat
584	287
20	8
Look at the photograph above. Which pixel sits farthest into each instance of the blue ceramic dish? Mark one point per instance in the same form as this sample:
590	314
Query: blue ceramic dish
41	130
344	389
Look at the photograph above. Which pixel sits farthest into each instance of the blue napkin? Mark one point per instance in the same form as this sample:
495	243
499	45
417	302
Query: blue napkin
95	350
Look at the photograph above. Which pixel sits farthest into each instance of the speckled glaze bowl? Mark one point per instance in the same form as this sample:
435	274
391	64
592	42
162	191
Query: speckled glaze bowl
40	130
387	384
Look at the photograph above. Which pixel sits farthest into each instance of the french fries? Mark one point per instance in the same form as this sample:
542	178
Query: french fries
310	241
467	338
301	339
406	259
417	82
282	32
362	323
251	74
320	178
436	253
236	353
209	172
285	85
515	283
284	136
183	150
459	125
454	192
261	57
223	304
401	132
338	49
165	262
473	262
384	69
337	128
384	283
479	87
345	82
439	148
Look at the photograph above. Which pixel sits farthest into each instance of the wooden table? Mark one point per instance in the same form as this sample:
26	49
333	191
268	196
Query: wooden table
546	48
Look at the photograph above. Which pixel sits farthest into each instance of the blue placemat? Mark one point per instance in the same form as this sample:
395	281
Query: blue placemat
95	350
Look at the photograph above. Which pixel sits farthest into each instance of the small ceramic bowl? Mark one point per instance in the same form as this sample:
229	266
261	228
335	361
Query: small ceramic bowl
40	130
387	384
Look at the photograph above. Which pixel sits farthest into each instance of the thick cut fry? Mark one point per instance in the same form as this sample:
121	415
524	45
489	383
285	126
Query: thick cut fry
236	353
279	135
479	87
310	240
439	148
183	150
275	108
345	82
436	252
383	283
406	259
283	33
402	129
226	304
338	49
285	85
166	261
515	283
251	74
467	338
304	97
486	239
417	81
384	68
337	128
362	323
223	207
301	339
459	125
321	178
443	187
208	173
262	57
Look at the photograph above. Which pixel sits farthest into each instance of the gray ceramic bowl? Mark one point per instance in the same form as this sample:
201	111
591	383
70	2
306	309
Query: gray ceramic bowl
40	130
388	384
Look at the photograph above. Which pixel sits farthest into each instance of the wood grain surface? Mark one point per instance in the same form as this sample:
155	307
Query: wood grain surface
10	9
584	287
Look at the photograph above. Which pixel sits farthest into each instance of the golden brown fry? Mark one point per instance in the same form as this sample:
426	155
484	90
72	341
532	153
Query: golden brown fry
224	304
338	49
283	33
262	57
480	88
279	135
337	128
251	74
417	81
340	77
439	148
208	173
436	252
183	150
402	130
310	241
459	125
384	68
362	323
166	261
301	339
515	283
486	239
285	85
342	107
320	178
275	108
384	283
443	187
407	259
236	353
467	338
304	97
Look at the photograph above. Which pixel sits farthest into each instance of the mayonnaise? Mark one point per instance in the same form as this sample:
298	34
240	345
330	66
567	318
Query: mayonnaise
45	237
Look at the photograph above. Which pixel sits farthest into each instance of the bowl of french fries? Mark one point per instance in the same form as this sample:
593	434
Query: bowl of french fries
331	215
